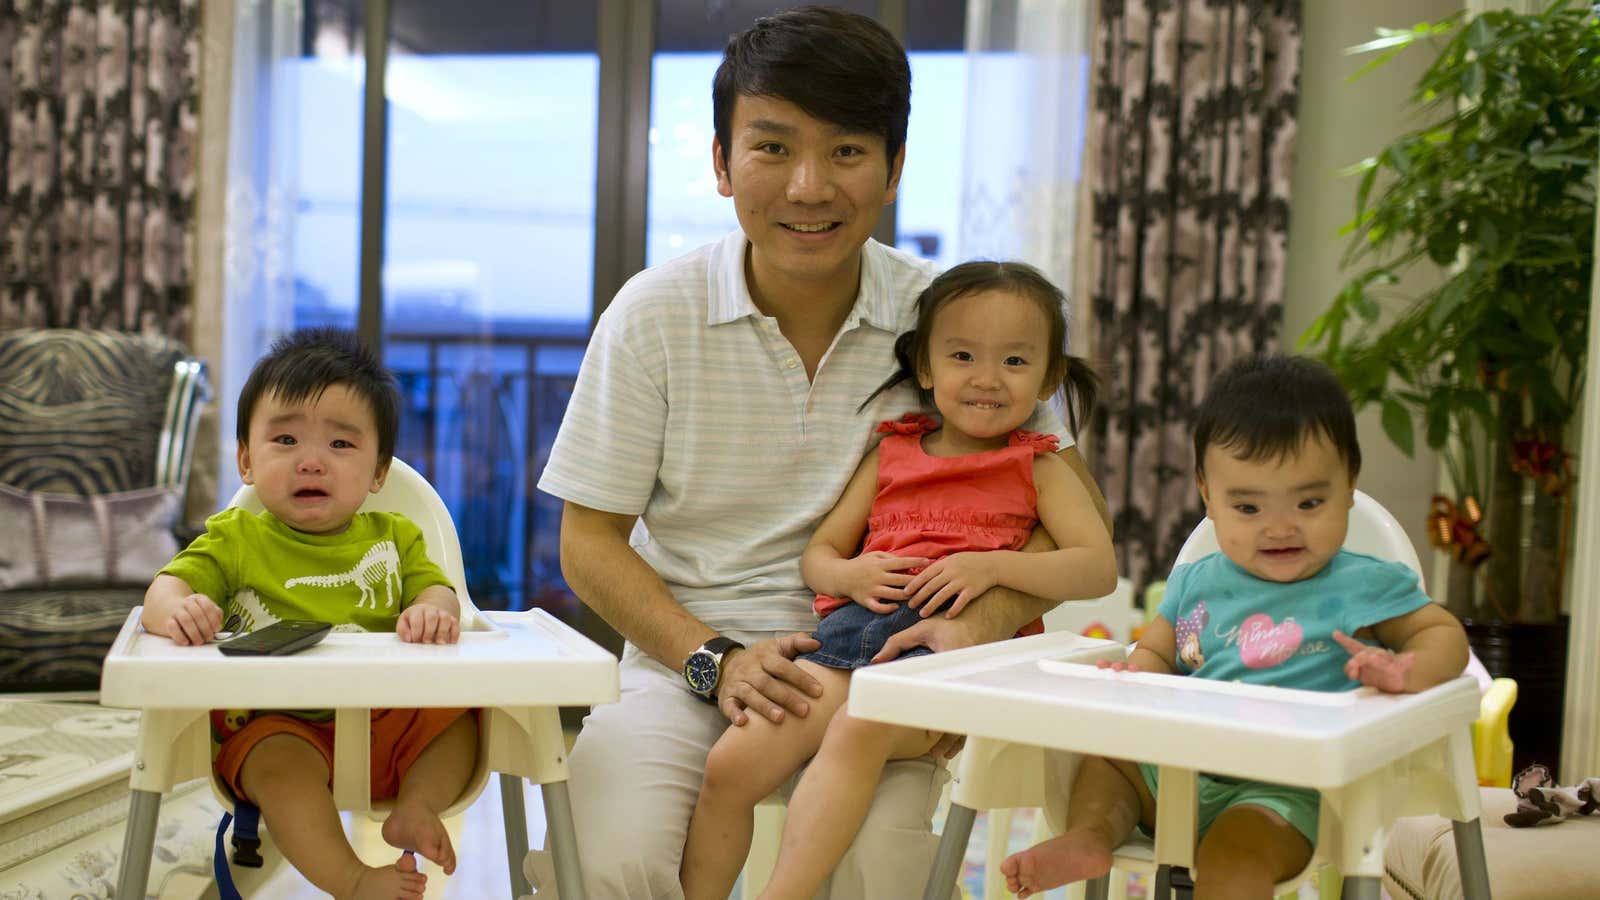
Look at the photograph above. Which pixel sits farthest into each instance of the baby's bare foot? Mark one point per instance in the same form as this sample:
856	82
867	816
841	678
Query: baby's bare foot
418	828
400	881
1074	856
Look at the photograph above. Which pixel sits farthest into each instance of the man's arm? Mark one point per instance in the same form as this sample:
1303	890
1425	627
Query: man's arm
613	580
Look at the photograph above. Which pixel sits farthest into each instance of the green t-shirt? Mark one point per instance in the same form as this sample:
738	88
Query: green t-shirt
358	580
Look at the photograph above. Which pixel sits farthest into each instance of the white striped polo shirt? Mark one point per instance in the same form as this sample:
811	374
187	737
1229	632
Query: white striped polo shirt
693	412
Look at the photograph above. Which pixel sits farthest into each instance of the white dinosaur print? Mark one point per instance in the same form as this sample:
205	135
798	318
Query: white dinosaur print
379	565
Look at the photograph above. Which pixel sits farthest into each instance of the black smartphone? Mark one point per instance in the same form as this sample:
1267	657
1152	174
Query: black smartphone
277	639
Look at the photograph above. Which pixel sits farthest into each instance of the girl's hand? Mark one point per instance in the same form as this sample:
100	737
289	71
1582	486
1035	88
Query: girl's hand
195	621
1118	665
873	578
1375	666
957	579
421	623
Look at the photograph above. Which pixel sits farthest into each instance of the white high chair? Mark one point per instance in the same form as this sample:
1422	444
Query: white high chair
519	728
1437	779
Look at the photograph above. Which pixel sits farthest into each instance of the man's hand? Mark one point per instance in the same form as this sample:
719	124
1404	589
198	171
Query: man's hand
937	634
957	579
873	578
1375	666
763	678
194	621
422	623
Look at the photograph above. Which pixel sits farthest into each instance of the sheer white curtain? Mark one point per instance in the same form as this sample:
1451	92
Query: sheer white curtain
258	266
1027	92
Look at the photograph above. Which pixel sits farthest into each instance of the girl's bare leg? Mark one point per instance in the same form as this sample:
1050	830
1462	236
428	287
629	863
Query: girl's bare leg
745	765
433	782
1109	798
1246	852
288	779
833	796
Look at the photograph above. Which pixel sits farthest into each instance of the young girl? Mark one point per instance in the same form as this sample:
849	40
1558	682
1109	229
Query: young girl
946	508
1281	603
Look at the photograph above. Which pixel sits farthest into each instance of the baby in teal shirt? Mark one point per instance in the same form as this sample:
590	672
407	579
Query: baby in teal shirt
1276	460
317	423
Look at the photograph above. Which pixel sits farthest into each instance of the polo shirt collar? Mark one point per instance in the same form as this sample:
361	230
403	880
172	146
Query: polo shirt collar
729	294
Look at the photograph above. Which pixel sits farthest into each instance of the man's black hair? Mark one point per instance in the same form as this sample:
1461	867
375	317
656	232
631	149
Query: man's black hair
837	66
1266	407
300	366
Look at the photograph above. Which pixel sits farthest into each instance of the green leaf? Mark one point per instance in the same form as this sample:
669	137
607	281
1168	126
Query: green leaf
1472	81
1397	425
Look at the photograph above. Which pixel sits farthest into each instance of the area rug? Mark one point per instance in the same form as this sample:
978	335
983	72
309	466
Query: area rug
64	805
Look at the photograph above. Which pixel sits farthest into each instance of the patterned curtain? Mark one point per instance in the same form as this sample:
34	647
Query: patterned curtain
97	163
1193	126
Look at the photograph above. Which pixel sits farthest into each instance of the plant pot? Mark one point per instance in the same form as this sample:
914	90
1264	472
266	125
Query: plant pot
1536	656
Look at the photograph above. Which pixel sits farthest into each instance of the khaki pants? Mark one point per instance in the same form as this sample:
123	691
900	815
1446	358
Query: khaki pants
636	771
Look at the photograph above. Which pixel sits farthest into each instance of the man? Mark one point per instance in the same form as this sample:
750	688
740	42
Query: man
719	402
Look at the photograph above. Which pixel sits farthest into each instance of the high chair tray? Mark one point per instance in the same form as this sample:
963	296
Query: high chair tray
524	659
1039	691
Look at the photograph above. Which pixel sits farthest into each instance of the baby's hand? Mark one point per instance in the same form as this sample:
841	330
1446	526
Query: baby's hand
424	624
1375	666
194	621
1118	665
958	579
878	580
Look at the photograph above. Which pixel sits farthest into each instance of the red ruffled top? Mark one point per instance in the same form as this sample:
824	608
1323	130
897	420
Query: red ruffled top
934	506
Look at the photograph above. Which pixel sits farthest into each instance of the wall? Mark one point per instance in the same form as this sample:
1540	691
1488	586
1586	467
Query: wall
1342	122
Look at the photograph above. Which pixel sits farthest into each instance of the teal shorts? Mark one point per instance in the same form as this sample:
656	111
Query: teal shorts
1298	806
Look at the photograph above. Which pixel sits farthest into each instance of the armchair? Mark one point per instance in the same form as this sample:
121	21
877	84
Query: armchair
96	436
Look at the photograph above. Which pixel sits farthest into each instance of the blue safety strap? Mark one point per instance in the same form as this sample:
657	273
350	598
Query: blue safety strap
246	842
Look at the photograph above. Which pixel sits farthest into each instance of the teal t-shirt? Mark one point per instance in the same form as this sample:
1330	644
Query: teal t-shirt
359	579
1233	626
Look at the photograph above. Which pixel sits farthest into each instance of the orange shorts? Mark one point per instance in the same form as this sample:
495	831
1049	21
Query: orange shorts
398	737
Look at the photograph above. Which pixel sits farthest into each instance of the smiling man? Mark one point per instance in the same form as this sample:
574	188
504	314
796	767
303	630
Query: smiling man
717	417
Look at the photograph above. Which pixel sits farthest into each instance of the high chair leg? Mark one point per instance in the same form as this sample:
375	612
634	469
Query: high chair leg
952	847
515	811
1361	887
1163	886
563	840
1097	888
137	842
1470	861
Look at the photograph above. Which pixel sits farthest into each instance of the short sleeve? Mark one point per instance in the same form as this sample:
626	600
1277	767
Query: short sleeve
1387	590
209	565
417	570
1046	420
608	450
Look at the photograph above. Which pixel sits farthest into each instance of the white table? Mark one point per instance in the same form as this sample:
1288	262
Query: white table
1374	756
519	667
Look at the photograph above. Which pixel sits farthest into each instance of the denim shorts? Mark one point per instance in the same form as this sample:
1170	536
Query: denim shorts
852	635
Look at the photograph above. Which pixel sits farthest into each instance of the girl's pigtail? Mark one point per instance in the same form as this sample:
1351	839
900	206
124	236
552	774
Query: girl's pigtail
1082	385
904	347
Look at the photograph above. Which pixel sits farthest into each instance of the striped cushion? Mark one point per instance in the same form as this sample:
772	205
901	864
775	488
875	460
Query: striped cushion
56	640
81	412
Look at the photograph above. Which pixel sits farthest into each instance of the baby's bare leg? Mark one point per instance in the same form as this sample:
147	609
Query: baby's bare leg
745	765
433	782
1109	798
833	797
1246	852
288	779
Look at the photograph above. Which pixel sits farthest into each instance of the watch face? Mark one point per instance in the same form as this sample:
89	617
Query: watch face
701	672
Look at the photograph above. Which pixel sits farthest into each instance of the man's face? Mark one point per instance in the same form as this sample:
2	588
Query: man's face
807	192
313	463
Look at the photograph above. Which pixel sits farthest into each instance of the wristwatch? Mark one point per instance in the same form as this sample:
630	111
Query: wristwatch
703	669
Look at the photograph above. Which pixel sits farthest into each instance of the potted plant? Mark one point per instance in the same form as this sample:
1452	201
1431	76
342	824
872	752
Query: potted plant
1498	190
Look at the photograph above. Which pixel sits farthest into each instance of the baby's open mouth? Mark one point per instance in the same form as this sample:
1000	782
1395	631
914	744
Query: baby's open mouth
310	493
